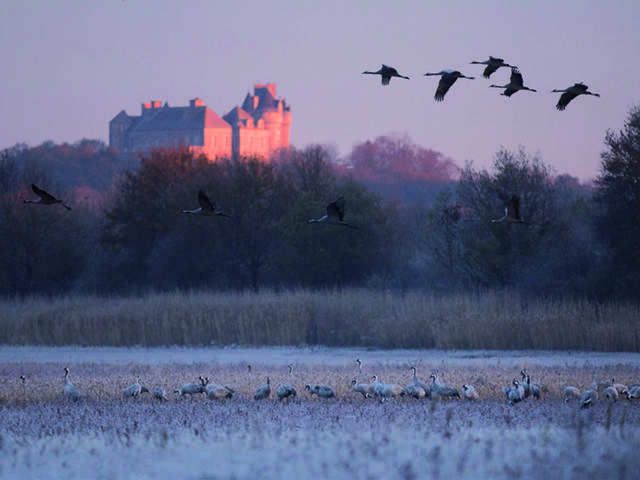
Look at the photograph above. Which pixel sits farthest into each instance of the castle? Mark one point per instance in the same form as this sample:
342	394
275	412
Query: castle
258	128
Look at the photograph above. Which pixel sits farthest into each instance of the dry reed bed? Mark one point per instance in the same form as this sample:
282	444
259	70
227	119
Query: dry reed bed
492	320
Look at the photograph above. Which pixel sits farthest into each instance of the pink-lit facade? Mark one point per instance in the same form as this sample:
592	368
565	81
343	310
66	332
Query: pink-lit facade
258	128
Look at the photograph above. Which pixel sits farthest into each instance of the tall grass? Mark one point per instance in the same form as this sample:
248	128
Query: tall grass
491	320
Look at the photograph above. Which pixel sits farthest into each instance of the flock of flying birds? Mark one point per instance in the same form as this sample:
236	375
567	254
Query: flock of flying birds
516	82
435	389
334	212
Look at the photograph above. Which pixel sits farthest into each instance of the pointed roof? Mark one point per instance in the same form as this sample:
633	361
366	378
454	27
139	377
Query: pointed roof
266	95
121	117
213	120
179	118
237	114
247	104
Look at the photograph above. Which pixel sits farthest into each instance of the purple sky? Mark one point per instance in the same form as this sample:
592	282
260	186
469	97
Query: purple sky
70	66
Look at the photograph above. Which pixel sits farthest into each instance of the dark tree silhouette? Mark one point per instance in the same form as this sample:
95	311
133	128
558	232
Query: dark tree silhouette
618	195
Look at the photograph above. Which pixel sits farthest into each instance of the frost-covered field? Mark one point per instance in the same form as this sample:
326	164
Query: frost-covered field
310	356
106	436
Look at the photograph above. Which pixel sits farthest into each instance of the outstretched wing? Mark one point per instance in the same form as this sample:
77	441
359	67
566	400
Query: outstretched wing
205	203
514	207
489	70
44	195
516	77
565	98
385	79
335	210
443	86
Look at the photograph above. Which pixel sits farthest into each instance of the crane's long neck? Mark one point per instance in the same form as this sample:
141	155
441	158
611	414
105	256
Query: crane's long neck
498	86
324	218
558	90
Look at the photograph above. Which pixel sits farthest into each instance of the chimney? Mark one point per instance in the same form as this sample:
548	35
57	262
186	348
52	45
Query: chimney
146	106
196	102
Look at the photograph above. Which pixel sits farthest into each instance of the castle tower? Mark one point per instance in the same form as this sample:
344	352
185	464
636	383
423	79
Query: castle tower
118	127
274	112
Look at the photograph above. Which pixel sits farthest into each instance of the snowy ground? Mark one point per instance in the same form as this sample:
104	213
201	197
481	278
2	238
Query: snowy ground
310	356
105	436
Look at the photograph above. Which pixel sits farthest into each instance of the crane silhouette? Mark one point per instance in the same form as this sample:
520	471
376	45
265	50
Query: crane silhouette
334	215
515	84
207	207
572	92
493	64
45	198
386	73
447	79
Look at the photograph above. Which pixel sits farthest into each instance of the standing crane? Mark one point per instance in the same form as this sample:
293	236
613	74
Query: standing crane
69	390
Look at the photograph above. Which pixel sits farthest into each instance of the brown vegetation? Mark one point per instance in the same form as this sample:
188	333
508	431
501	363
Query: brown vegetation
489	320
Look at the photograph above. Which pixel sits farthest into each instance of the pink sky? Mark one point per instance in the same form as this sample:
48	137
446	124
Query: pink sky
70	66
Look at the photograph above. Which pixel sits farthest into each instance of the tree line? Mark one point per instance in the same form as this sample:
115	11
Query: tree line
126	232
